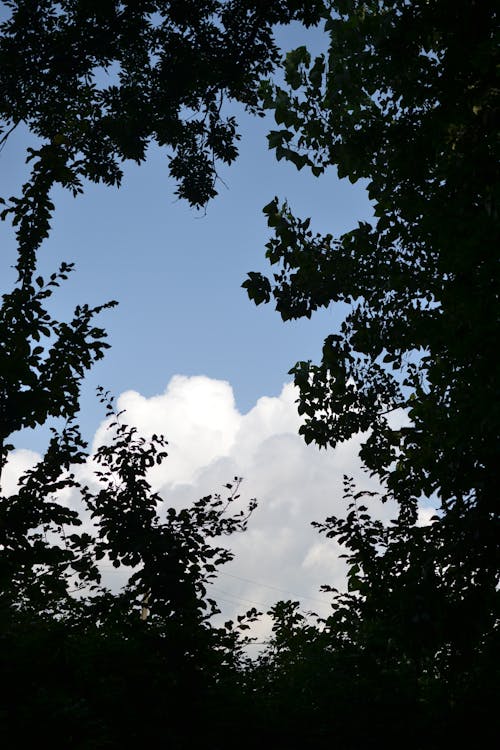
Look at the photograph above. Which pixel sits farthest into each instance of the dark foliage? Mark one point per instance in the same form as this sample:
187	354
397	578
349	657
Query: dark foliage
98	81
406	98
408	655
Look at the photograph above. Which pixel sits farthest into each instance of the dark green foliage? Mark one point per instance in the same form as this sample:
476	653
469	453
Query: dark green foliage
398	103
406	98
407	657
99	81
83	665
40	380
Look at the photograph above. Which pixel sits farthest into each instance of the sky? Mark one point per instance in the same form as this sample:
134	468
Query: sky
280	556
177	272
194	359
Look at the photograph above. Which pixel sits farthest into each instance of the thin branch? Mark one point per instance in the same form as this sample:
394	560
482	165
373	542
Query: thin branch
3	139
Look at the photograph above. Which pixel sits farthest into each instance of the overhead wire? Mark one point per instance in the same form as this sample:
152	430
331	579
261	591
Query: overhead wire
274	588
252	581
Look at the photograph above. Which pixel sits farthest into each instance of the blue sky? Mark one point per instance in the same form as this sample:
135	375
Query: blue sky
193	358
177	273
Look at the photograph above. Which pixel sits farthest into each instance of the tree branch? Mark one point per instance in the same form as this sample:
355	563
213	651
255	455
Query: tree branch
3	139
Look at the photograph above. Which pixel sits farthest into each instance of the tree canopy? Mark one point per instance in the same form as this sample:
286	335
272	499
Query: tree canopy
98	81
407	656
396	102
95	83
406	98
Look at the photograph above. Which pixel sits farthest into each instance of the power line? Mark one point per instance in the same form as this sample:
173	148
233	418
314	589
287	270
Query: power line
239	598
274	588
255	583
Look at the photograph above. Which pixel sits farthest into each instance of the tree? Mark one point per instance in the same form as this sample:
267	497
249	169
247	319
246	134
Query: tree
60	622
98	81
172	66
405	98
412	641
419	127
95	83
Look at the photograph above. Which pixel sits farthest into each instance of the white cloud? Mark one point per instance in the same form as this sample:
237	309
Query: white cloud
18	463
197	415
426	514
209	442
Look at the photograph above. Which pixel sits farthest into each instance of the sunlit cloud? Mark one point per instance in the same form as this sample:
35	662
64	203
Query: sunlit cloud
210	442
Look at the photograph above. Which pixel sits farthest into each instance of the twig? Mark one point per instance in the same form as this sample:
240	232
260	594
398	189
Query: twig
3	139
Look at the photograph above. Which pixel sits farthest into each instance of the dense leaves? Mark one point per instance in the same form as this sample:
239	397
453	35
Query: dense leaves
406	98
397	102
99	81
407	656
87	665
61	623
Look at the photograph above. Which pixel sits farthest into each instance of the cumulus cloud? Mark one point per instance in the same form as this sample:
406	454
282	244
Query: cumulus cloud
210	442
197	415
18	463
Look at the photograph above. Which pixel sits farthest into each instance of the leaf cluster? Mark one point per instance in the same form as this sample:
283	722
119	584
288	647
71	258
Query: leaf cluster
98	82
397	103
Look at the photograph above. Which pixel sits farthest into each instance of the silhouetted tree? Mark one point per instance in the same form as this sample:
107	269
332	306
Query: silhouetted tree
407	656
98	81
406	99
95	83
